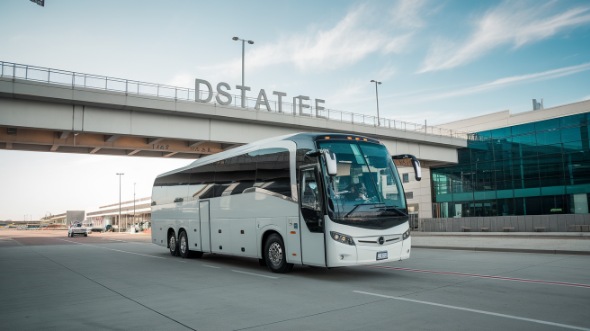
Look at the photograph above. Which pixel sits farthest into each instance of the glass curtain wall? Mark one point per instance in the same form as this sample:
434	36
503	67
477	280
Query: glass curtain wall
537	168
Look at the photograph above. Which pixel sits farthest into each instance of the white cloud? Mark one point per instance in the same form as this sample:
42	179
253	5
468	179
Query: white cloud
182	80
349	41
353	92
361	32
516	23
397	44
357	93
408	13
386	73
512	80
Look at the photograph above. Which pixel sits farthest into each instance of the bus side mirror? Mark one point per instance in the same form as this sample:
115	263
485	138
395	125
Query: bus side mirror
417	169
415	164
331	163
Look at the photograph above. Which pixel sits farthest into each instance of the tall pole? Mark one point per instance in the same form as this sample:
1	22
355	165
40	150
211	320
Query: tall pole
377	97
243	53
119	221
243	59
134	204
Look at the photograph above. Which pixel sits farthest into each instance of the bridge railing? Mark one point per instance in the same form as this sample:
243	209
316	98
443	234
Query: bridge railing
121	85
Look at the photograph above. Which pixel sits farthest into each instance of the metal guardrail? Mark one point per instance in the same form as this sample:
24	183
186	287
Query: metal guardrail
105	83
524	223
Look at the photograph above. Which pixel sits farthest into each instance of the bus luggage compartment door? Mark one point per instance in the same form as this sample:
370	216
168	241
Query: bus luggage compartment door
205	226
293	244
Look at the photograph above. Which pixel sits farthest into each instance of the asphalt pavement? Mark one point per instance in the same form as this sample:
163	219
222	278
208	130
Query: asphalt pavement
119	281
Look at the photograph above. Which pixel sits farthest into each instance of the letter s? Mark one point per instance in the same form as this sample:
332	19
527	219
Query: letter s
224	93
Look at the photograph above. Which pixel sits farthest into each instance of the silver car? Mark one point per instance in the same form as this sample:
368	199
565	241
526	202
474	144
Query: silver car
78	228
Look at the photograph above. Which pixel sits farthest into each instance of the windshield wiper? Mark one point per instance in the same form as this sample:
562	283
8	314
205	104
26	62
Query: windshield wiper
355	207
364	204
395	209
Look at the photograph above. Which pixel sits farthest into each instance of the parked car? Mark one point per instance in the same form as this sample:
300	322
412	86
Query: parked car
78	228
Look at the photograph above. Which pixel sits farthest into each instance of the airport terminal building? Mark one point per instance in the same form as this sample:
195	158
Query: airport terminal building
531	167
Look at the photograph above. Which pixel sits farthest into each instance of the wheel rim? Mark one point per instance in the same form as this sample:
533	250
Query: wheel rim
172	243
275	253
183	244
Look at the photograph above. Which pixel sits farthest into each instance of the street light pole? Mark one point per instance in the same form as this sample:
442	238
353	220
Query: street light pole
134	204
119	222
377	96
243	50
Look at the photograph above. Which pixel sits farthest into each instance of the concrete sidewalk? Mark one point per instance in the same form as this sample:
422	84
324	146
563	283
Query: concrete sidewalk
548	243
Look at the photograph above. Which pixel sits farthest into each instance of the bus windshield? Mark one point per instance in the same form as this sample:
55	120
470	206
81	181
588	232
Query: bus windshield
366	190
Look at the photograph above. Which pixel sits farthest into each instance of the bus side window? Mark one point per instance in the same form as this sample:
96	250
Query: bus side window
170	189
272	171
311	200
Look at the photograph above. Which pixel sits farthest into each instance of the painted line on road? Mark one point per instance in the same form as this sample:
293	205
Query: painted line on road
127	241
484	312
211	266
120	251
254	274
511	279
117	240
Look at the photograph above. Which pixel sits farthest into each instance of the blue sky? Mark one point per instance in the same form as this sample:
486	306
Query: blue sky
439	61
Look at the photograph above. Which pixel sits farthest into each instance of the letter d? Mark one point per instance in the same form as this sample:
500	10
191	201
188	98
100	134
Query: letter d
209	90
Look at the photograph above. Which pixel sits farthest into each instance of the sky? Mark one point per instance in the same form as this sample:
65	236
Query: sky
438	61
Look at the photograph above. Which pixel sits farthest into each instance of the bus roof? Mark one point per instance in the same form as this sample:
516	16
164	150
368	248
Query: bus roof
309	136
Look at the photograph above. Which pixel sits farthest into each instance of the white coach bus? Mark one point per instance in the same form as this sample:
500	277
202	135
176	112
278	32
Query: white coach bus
311	199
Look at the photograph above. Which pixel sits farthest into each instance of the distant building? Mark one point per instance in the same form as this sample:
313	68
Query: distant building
532	163
132	212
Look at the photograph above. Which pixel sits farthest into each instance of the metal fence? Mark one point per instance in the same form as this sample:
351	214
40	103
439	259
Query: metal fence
131	87
529	223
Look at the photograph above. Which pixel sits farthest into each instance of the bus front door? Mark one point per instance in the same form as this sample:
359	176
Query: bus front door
313	248
205	226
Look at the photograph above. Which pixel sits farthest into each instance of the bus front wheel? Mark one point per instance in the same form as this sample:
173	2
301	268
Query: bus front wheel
172	244
275	255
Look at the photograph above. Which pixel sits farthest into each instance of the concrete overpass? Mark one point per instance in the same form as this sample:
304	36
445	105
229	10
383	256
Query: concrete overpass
50	110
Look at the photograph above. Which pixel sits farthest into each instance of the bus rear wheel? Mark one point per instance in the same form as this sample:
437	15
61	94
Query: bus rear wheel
183	245
275	255
172	244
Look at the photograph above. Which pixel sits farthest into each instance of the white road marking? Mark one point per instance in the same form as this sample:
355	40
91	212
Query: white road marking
117	250
566	326
512	279
253	274
211	266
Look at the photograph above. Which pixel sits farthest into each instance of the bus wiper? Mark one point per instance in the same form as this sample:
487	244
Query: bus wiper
395	209
362	204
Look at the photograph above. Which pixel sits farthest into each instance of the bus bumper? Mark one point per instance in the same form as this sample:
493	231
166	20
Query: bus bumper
366	252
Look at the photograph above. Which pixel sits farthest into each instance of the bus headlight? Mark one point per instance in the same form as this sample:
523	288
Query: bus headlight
342	238
406	235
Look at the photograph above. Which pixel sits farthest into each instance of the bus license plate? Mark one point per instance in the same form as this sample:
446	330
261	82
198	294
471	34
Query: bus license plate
381	255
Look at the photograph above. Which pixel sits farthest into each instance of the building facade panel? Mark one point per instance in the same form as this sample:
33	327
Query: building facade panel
537	168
